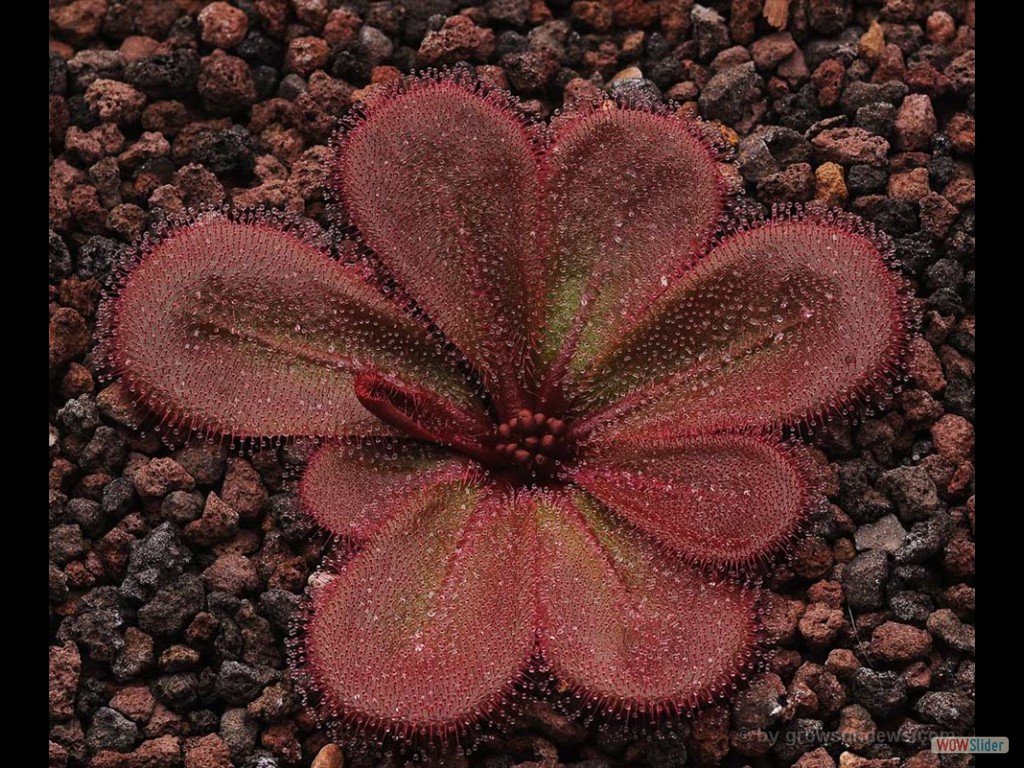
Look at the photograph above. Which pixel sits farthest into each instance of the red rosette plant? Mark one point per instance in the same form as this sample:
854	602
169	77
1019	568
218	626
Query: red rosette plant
550	394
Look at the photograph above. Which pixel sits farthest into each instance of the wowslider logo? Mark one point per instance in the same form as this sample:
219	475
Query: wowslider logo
970	745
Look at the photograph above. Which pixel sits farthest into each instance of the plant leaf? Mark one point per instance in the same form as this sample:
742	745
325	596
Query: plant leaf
353	489
630	626
247	329
780	323
728	501
629	199
430	626
441	183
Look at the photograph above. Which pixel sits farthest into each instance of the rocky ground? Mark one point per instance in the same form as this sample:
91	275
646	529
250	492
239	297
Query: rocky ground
174	571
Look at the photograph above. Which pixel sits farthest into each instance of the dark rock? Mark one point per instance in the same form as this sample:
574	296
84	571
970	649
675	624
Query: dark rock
173	606
182	507
98	624
111	730
709	31
925	540
863	179
118	497
859	94
910	607
876	118
865	579
797	737
98	255
280	607
59	257
105	452
883	694
67	543
946	626
171	75
239	683
731	95
156	560
180	691
239	731
79	416
912	490
949	709
227	151
135	656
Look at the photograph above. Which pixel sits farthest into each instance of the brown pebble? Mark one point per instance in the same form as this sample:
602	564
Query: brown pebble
222	25
329	757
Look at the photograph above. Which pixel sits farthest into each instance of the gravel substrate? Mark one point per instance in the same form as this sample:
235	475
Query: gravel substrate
175	570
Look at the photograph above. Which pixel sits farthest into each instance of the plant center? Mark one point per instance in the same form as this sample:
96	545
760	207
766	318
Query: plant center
531	442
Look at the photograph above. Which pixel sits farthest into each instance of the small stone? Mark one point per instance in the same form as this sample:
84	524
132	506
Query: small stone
459	38
758	705
883	694
135	657
65	668
160	476
949	709
820	625
210	751
937	215
173	606
856	728
770	50
946	626
910	185
135	702
78	21
306	55
915	123
222	25
871	43
115	102
111	730
830	186
171	75
239	731
709	31
828	81
243	490
842	663
69	337
163	752
232	573
865	579
953	436
816	758
886	534
225	83
219	522
912	490
329	757
238	683
848	146
940	27
960	130
733	96
900	643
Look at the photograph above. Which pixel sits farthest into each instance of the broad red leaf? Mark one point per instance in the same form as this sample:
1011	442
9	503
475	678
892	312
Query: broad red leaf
629	198
441	183
783	322
628	624
248	329
354	489
427	629
725	500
